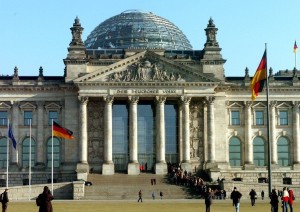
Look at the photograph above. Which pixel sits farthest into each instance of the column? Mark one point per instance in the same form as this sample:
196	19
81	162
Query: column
133	165
296	144
273	141
185	163
15	129
211	130
40	144
82	166
108	165
160	166
248	140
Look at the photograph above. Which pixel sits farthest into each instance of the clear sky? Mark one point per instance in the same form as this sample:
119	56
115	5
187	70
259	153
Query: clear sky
37	33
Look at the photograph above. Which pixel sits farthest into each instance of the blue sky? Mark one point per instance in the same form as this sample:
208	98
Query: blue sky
37	33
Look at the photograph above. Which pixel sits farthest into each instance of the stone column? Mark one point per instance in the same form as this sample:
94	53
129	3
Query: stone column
186	162
296	137
82	166
211	130
273	141
40	143
180	131
133	165
249	165
15	130
108	167
160	166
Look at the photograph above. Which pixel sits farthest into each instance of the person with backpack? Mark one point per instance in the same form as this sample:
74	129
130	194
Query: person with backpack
291	199
44	200
236	196
4	200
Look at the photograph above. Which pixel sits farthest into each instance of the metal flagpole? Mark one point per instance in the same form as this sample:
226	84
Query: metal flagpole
295	58
268	129
29	159
52	161
7	153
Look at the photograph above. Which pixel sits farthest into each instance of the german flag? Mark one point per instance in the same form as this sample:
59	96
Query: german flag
259	78
62	132
295	47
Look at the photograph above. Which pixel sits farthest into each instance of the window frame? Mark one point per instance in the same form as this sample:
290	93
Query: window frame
232	118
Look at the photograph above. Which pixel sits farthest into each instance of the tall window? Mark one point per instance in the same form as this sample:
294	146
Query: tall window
3	150
235	118
235	153
3	118
56	153
259	152
27	118
283	117
26	152
53	115
171	132
283	151
259	117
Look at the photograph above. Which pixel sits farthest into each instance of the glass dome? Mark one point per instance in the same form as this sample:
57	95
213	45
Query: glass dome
136	29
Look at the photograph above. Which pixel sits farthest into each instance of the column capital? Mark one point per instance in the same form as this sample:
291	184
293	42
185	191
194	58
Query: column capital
273	103
40	104
210	99
15	103
296	104
185	99
160	99
133	99
248	104
108	99
83	99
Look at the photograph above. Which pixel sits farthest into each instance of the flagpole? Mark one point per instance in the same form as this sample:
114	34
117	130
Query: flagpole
29	159
296	59
268	129
52	161
7	153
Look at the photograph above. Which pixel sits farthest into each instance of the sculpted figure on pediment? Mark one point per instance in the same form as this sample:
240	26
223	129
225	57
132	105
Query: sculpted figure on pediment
145	71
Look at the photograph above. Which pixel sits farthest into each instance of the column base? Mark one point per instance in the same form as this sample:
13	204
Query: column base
82	170
296	166
108	169
249	167
211	165
161	168
186	166
133	169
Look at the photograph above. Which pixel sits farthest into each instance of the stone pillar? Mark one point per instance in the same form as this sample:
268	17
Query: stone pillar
108	167
296	138
133	165
40	143
249	165
180	132
186	162
273	141
15	130
160	166
82	166
211	130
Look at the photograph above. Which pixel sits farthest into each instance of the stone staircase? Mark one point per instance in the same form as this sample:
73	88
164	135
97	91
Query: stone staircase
123	186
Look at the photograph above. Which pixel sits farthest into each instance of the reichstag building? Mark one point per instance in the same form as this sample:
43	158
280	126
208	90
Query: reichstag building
136	94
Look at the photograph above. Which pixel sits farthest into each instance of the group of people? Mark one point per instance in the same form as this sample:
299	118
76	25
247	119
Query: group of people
287	197
43	201
153	195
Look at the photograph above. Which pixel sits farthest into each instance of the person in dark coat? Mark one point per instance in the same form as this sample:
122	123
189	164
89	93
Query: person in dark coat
208	199
236	196
252	195
45	199
274	201
4	200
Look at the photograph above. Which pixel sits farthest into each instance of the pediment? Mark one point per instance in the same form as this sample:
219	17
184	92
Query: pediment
283	105
259	105
52	106
27	106
4	106
235	105
146	66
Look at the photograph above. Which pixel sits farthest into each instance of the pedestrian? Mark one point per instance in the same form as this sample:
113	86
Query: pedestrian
252	195
4	200
285	200
274	201
140	196
262	194
208	199
291	199
153	195
44	200
161	195
236	196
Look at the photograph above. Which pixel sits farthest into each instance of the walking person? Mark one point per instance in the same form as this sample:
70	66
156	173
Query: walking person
285	199
140	196
291	199
208	199
153	195
236	196
252	195
274	201
262	194
4	200
161	195
44	200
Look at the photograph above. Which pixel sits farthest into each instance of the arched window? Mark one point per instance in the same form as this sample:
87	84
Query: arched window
26	152
283	151
259	150
3	152
56	153
235	153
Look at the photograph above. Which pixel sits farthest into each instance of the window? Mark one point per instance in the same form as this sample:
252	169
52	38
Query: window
235	117
3	118
283	152
283	118
27	118
3	152
26	152
52	116
235	152
171	132
259	118
259	152
56	153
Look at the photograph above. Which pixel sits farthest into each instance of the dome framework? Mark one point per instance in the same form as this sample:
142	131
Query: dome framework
136	29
